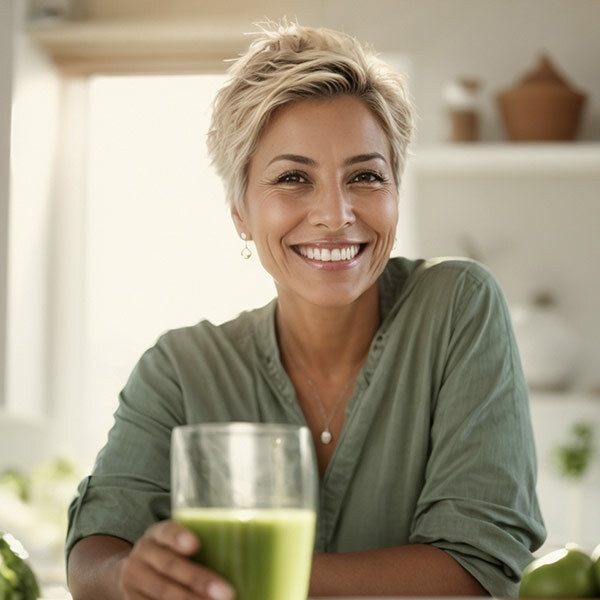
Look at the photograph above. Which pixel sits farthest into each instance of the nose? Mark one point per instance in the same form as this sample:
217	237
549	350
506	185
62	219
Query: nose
332	208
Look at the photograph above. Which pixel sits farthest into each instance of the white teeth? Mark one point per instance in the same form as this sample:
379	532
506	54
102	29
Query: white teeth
326	255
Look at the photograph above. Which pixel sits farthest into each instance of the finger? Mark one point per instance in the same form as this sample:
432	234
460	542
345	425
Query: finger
132	573
154	586
137	595
175	536
187	573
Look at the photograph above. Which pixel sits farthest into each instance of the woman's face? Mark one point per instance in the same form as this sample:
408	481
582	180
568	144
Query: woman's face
321	204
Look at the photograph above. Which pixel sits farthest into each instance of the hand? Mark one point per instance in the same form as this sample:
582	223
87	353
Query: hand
158	568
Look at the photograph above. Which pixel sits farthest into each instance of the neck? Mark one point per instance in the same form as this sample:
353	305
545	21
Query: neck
329	342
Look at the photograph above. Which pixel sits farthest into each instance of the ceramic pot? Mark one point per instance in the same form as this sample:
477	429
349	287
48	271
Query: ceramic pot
542	106
548	346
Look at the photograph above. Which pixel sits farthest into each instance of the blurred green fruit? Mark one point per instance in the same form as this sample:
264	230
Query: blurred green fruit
17	581
596	560
565	573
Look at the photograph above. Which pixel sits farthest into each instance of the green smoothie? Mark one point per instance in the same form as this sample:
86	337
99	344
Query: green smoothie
265	554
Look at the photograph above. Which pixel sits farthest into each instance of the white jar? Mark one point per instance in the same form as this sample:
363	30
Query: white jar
548	346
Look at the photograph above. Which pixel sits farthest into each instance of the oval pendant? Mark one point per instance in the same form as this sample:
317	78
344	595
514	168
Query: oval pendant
325	437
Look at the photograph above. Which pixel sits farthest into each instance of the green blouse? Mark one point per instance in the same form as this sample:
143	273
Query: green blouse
437	445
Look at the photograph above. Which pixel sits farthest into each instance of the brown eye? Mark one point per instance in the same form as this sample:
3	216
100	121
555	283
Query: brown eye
291	177
367	177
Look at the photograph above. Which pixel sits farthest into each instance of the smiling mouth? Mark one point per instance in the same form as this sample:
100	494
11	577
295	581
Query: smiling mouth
337	254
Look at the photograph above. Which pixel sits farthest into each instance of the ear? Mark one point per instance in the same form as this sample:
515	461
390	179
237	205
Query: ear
238	220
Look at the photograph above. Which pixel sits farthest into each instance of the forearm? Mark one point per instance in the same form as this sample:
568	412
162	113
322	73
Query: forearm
413	570
93	568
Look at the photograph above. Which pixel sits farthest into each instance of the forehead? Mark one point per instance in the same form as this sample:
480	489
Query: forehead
342	125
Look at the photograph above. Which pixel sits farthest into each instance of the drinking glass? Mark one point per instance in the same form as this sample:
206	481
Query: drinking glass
248	491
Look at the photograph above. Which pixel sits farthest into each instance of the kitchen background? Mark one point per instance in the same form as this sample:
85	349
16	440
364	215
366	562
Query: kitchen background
113	228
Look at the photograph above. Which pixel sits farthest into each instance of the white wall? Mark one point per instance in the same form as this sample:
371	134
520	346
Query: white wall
34	122
6	71
34	100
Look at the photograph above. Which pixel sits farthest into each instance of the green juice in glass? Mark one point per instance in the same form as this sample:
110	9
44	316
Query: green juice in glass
265	554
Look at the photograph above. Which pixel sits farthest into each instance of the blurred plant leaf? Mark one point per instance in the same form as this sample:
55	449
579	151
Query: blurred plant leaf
17	482
574	457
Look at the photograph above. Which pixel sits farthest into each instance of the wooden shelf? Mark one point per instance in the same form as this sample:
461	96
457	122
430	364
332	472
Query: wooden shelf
581	399
550	158
139	46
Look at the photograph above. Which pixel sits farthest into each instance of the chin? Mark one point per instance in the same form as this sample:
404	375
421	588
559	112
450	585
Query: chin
333	298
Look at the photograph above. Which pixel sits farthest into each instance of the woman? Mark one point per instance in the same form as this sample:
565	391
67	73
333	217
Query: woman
405	371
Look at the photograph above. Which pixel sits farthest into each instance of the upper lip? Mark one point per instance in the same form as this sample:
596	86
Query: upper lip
330	243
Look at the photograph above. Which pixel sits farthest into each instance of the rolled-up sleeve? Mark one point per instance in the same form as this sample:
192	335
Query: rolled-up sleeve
128	489
479	502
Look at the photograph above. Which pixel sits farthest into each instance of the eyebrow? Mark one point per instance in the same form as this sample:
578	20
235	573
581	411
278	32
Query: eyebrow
364	158
294	158
304	160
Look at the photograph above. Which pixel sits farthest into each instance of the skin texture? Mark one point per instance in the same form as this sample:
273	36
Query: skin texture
291	201
320	177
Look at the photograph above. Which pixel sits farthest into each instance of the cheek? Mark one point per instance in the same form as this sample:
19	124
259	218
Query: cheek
386	216
276	217
393	214
268	233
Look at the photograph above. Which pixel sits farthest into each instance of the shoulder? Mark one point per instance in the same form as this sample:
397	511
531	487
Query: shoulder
439	288
435	275
206	339
453	270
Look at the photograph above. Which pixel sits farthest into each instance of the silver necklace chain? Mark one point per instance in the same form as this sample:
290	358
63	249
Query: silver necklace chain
326	436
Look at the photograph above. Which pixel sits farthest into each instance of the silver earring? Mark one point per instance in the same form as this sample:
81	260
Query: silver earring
246	252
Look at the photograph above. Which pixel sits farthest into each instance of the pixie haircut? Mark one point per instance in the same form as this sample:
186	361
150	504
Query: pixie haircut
287	63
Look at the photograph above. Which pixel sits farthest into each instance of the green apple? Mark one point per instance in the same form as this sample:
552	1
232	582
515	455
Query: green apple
17	581
565	573
596	559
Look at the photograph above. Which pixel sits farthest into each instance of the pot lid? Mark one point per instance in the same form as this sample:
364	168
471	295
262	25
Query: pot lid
544	75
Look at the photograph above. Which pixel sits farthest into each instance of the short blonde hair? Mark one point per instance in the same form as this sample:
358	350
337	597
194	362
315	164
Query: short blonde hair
287	63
